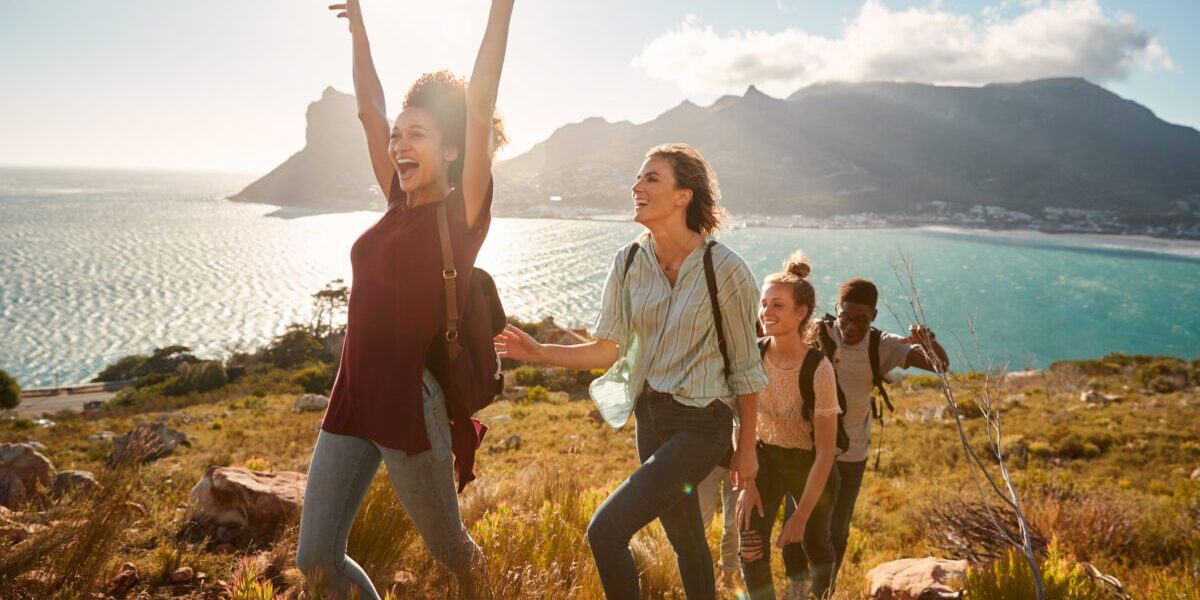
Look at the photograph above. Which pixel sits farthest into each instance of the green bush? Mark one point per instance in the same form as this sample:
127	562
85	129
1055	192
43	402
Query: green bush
314	379
197	377
124	369
1010	578
528	376
922	381
10	391
969	409
1164	375
1040	449
293	348
536	393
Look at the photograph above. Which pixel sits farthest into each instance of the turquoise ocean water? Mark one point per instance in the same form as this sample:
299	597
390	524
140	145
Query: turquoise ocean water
96	265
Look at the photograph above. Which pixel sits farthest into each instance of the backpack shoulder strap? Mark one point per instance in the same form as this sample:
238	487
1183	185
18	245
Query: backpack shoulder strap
824	337
710	275
630	254
808	393
876	377
450	277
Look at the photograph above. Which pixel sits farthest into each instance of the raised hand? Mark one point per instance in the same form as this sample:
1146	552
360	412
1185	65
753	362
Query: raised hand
350	11
515	344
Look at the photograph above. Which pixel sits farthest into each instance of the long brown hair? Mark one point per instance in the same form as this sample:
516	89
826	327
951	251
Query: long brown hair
704	213
796	270
444	95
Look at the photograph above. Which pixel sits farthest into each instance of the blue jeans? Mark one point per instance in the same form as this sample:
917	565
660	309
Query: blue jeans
678	447
338	479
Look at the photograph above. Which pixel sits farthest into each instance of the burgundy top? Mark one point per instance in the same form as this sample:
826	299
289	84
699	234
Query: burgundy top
397	309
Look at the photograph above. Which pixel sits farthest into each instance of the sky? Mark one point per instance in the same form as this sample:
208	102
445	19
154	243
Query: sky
222	85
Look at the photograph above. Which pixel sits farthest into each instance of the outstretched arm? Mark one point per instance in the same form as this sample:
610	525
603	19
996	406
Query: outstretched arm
515	344
372	111
481	106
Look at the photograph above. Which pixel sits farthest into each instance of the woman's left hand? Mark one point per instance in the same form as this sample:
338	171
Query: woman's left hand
793	530
744	467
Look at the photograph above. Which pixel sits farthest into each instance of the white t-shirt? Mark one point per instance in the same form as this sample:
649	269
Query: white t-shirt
853	367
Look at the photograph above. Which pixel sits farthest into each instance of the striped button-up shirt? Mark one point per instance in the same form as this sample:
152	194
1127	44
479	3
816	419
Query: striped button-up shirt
667	334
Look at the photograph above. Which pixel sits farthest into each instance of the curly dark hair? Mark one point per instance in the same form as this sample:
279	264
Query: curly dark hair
444	95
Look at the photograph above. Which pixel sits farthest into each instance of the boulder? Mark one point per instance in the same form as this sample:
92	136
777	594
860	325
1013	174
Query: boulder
124	581
67	482
512	442
183	575
233	505
1094	397
1019	377
1195	475
310	403
150	442
22	470
917	579
513	392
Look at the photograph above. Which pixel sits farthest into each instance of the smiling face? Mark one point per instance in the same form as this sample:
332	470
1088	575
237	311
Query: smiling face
854	321
418	151
656	195
778	312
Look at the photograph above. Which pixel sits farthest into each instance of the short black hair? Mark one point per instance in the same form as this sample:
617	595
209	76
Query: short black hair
858	291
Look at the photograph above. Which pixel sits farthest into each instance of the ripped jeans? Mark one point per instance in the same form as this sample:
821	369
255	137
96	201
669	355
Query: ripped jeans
783	471
338	480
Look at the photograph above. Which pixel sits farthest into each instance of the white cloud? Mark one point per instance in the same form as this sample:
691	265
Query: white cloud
1040	39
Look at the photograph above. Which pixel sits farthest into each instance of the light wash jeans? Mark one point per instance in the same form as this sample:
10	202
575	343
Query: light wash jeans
338	479
719	484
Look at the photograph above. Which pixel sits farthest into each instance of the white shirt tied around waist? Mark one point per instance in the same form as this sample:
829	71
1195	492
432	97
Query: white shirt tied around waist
667	335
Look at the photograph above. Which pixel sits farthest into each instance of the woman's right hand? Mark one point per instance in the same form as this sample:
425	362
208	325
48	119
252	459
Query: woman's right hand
748	501
351	12
515	344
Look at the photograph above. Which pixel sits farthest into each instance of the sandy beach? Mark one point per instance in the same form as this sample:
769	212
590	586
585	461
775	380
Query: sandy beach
1138	243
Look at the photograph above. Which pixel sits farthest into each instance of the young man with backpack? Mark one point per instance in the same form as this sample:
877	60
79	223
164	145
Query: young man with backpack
861	356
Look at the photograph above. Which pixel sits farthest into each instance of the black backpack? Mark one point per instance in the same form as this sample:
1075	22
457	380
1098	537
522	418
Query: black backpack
880	398
808	395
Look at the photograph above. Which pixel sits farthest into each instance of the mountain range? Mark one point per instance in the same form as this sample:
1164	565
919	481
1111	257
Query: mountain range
826	150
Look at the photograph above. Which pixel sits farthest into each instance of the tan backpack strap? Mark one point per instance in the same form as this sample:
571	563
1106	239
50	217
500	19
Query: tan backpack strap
450	276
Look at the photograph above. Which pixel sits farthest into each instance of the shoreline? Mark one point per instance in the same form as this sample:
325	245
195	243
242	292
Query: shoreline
1181	248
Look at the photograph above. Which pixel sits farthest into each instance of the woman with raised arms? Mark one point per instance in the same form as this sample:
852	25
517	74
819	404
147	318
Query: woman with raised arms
386	406
680	366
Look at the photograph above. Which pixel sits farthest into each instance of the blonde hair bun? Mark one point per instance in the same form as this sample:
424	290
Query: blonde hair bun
797	264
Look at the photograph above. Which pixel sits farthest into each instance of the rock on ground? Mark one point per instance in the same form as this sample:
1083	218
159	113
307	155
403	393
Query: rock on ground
233	505
310	403
70	481
22	470
917	579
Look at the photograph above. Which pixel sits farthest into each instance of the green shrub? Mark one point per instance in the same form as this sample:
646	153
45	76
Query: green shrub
528	376
1070	446
10	392
314	379
1040	449
968	408
293	348
1164	375
124	369
535	394
197	377
1010	578
922	381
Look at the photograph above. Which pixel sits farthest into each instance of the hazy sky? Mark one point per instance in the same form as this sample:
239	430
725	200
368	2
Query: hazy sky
223	85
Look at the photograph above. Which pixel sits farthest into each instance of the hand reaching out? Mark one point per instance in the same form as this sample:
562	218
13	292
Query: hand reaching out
515	344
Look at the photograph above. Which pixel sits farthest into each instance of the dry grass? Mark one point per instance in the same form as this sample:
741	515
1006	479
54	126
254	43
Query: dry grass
530	508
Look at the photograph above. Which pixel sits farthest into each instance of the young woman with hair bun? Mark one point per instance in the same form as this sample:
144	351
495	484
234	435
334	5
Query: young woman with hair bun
797	434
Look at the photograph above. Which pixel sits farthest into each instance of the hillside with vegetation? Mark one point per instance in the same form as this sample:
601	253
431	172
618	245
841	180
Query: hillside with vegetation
1103	452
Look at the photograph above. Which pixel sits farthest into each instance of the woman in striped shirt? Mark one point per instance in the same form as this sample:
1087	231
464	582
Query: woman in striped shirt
658	324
